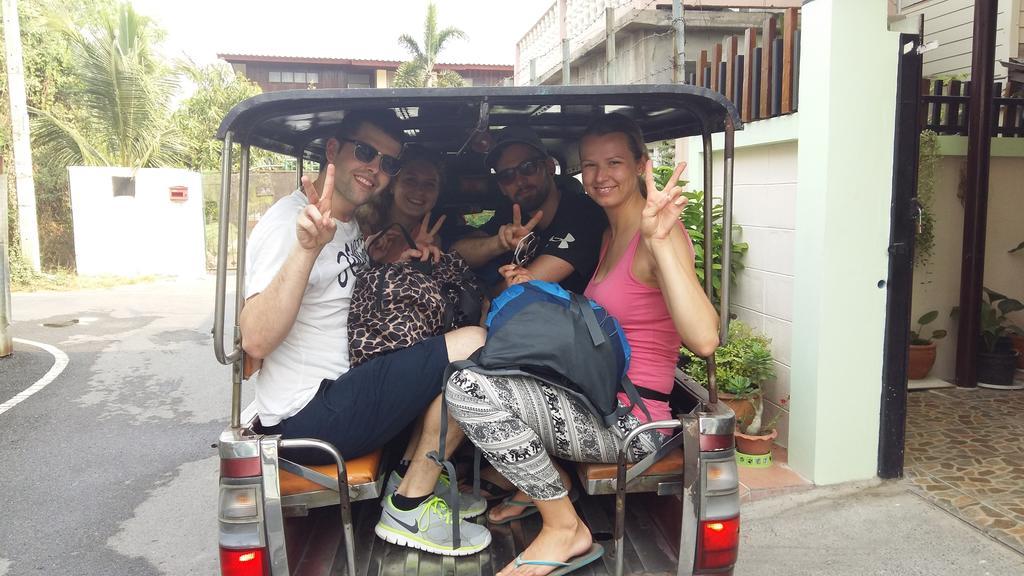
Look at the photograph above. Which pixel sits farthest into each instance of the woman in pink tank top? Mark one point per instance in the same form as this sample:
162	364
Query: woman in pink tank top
646	279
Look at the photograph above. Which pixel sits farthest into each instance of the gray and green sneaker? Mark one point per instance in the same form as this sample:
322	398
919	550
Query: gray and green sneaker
470	505
429	527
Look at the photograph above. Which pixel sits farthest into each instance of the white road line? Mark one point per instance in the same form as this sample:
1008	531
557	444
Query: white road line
60	361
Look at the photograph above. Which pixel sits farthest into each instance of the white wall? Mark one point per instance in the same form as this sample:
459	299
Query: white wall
937	285
147	234
764	206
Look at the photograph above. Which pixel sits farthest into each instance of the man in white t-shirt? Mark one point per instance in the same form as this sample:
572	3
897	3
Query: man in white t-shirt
301	265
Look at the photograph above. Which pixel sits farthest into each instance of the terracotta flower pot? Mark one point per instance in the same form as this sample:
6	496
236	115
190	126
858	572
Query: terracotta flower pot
755	445
741	406
922	358
1018	345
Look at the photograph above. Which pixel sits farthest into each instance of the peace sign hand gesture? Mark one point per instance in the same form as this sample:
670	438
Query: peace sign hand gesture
315	226
663	207
510	234
426	235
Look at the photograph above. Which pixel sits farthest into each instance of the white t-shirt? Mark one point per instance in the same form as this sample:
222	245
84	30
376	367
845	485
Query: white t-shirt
317	345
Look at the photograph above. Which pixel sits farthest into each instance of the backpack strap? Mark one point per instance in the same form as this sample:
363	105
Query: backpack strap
438	457
635	399
583	305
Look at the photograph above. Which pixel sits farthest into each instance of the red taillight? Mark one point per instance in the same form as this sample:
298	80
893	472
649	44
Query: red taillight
719	541
240	467
248	562
715	442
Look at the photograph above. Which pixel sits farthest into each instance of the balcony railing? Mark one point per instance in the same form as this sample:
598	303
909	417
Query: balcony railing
945	104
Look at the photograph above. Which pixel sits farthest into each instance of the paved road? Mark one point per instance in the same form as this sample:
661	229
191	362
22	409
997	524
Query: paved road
110	469
871	528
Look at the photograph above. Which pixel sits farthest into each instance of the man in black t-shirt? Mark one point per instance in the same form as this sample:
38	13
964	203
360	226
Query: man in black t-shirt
566	225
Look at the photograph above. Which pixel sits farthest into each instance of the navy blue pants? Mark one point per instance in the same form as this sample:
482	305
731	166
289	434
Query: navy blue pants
372	403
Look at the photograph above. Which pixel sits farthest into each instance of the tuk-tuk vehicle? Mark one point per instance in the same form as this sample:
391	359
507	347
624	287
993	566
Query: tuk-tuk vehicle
278	517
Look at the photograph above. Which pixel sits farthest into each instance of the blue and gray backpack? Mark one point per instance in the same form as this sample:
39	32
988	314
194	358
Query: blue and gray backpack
541	330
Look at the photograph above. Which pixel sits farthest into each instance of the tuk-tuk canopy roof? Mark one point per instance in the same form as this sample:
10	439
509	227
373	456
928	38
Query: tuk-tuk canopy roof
298	122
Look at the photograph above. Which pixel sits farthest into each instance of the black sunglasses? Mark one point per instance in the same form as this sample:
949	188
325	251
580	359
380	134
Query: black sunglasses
366	154
525	168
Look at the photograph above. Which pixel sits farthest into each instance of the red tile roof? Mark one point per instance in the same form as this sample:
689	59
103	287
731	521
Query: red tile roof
360	62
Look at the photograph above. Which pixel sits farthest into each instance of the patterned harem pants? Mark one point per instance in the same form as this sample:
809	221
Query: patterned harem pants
519	423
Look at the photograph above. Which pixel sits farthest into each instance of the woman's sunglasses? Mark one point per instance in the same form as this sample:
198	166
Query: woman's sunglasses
525	168
366	154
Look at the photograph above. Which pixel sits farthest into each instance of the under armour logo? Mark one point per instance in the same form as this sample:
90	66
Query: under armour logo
563	243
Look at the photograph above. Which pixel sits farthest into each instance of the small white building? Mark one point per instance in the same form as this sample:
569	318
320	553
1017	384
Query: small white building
138	222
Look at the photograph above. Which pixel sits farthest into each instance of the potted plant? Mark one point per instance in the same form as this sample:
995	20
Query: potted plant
996	357
742	365
922	347
755	436
1018	338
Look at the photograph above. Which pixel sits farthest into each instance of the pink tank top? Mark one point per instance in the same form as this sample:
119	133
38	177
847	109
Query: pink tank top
644	316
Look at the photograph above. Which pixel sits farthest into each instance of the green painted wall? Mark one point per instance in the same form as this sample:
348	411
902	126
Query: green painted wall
847	105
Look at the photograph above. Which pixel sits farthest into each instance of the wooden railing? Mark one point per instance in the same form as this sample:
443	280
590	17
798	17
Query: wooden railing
945	104
761	80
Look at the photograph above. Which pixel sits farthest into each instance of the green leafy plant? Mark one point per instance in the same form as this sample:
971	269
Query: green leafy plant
693	221
995	325
742	364
916	336
928	158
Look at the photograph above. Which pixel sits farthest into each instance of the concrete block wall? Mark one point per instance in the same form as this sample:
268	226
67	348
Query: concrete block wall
764	206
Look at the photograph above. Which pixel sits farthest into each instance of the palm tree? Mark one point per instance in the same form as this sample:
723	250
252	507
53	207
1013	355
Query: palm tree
124	95
419	72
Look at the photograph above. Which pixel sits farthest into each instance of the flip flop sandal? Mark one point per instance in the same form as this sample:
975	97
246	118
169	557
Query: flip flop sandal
529	508
494	491
561	568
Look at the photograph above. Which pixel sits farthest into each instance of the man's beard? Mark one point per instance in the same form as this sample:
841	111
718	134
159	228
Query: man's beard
534	201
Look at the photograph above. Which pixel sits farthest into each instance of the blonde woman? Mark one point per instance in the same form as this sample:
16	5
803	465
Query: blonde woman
646	279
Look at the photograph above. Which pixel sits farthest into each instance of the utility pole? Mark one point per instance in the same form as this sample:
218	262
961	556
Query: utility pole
6	345
679	58
25	186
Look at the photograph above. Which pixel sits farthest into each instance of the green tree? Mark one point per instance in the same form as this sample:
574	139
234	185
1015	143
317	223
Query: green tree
420	72
123	97
218	89
50	84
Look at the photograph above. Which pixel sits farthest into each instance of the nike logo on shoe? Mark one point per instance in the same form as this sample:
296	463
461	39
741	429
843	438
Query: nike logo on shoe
413	528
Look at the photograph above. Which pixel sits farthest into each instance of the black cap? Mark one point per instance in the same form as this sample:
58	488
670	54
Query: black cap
514	135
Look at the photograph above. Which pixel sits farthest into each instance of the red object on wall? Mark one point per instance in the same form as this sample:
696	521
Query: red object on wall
179	193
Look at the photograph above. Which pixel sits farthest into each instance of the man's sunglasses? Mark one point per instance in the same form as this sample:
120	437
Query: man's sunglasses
525	168
366	154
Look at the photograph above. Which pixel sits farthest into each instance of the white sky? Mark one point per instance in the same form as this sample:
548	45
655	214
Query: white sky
340	28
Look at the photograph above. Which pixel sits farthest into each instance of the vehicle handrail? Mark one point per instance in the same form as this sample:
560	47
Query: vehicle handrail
690	438
222	256
727	188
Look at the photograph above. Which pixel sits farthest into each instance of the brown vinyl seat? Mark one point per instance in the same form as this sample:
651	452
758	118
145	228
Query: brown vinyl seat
362	470
600	478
